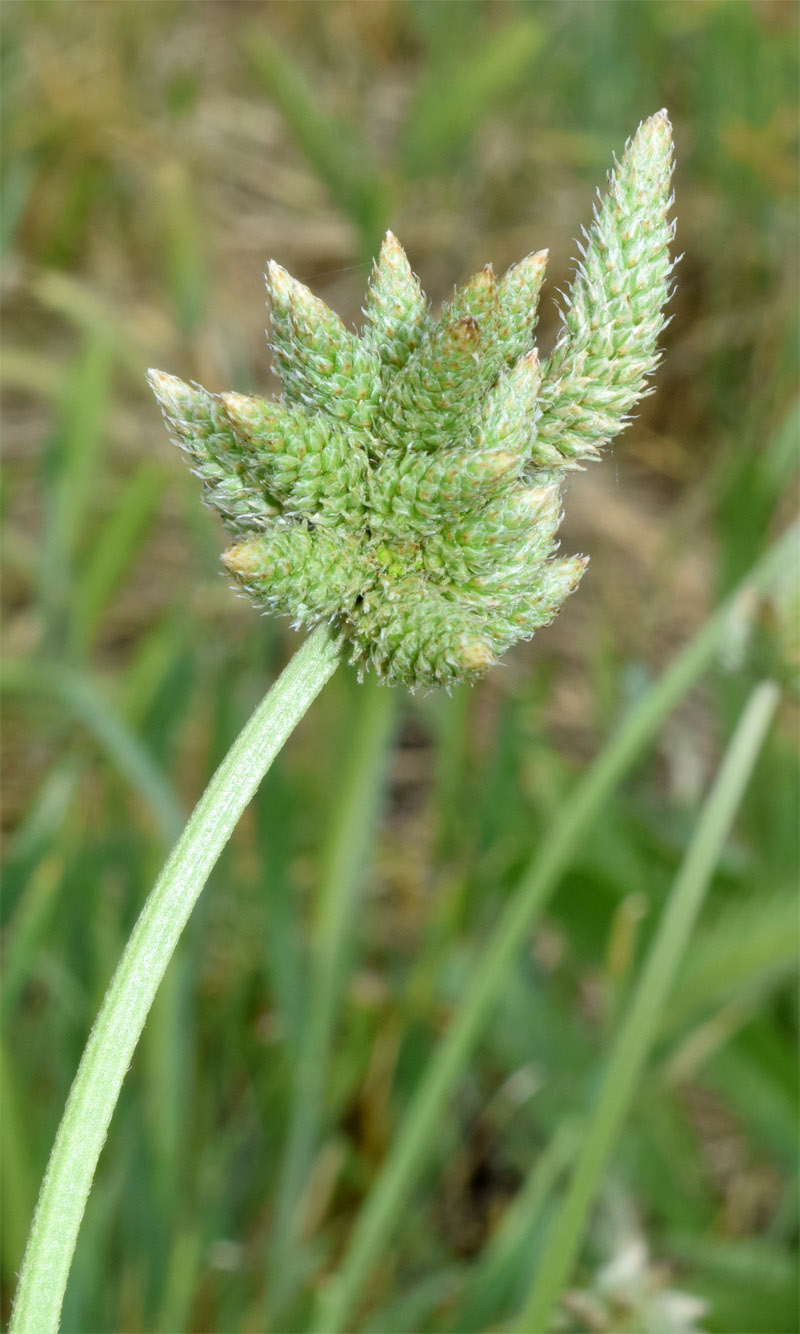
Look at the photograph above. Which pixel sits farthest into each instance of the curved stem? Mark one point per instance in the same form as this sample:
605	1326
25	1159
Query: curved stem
111	1044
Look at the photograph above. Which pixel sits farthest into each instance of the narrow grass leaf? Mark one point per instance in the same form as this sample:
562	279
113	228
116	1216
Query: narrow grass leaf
184	253
499	1275
70	297
71	466
17	1185
15	188
113	551
335	150
455	97
122	746
640	1026
27	929
39	828
751	945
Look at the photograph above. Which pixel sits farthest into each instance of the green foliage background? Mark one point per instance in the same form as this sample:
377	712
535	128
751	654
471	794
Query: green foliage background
155	156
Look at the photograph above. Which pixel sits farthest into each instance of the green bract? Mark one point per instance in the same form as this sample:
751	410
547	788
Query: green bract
407	486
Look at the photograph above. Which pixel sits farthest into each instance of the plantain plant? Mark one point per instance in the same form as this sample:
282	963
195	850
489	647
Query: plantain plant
406	489
401	499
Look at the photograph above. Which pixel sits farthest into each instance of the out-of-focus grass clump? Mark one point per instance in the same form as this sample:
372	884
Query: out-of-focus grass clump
155	156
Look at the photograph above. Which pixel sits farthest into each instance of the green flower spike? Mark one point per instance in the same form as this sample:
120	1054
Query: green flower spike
407	486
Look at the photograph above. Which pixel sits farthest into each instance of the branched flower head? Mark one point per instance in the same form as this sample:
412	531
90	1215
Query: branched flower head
407	485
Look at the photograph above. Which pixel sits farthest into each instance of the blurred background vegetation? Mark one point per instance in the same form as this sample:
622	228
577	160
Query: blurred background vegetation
155	155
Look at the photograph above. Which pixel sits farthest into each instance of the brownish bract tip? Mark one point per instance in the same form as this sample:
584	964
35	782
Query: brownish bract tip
467	332
244	559
476	655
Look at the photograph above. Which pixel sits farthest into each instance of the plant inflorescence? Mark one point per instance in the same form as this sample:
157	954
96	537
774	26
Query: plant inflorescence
406	488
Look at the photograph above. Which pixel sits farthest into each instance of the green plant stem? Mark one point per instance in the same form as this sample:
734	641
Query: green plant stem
345	851
116	1032
637	1032
418	1136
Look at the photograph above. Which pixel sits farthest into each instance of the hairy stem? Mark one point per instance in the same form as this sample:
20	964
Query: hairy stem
122	1016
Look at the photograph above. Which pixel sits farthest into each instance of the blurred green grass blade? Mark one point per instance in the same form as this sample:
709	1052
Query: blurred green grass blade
757	1075
185	1262
184	252
15	188
27	928
274	809
34	371
433	26
113	551
455	98
40	826
415	1308
416	1137
122	746
72	299
499	1276
71	467
337	152
86	406
347	843
752	486
17	1184
749	1284
751	945
639	1028
451	721
782	456
154	662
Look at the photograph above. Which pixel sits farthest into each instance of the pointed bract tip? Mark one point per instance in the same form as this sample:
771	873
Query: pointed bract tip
527	371
482	281
282	288
238	408
171	392
277	278
391	252
656	127
537	259
159	381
